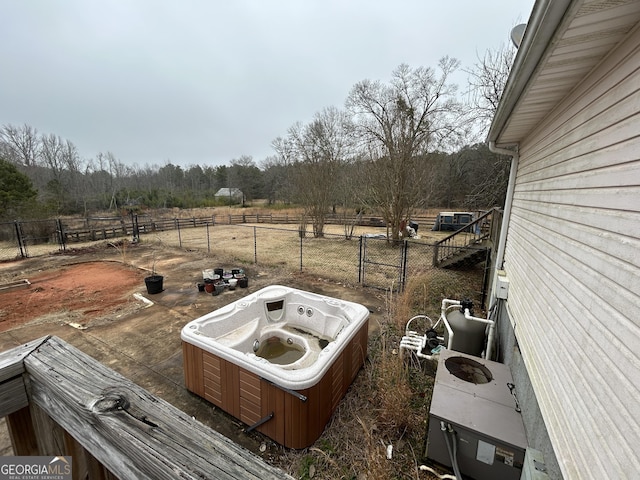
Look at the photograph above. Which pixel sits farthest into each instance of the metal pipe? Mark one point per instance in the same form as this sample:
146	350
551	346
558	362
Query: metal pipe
262	421
301	397
489	351
508	202
445	306
506	216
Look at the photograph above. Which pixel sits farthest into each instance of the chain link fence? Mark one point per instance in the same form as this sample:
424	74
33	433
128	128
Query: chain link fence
9	245
368	260
29	239
333	256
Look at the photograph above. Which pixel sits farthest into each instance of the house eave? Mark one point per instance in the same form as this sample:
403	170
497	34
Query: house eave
543	22
563	42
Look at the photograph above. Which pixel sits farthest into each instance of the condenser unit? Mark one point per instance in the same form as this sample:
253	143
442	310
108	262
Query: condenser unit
475	418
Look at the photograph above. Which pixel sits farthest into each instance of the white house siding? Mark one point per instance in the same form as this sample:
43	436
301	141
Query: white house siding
573	260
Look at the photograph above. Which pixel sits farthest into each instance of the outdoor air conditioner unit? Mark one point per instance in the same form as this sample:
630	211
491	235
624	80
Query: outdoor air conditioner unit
475	418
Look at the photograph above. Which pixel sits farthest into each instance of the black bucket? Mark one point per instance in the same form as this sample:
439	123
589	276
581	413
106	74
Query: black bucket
218	288
218	271
154	284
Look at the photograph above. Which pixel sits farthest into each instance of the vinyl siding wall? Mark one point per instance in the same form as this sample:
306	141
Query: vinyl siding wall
573	261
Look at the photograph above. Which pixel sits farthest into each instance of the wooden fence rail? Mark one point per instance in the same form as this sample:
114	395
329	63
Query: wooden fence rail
111	427
19	236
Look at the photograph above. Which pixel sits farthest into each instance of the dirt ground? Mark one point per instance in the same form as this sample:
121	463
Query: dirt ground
83	292
86	297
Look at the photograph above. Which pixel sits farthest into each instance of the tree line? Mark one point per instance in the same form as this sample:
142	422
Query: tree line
395	147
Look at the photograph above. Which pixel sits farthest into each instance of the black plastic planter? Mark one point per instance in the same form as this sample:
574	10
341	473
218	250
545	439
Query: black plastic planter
154	284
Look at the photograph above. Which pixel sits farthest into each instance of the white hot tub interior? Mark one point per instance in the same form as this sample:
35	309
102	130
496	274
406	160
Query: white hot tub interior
285	327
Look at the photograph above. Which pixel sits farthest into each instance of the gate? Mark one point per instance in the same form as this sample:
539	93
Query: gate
381	265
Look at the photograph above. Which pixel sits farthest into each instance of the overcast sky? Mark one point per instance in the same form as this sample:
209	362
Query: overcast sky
203	82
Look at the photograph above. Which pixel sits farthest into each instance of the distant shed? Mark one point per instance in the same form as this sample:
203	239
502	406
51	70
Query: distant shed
235	194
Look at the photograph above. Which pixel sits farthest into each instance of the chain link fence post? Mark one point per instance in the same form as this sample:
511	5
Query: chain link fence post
403	268
360	265
61	239
21	246
208	239
300	250
179	235
21	243
255	245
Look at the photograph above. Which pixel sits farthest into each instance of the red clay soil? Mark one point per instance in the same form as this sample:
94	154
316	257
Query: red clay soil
89	289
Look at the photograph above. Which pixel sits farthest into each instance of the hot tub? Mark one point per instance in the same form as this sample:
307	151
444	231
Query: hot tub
280	360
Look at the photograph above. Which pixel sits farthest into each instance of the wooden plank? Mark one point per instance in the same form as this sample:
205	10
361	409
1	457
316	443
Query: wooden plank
317	411
230	385
13	396
212	378
273	401
11	360
337	381
292	421
21	433
78	454
95	470
310	414
250	397
49	435
193	368
133	433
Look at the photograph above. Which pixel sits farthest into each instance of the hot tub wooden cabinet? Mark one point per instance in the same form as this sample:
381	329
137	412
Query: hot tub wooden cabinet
290	402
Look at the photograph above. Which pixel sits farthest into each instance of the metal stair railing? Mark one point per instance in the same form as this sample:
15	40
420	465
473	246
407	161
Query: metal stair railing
471	234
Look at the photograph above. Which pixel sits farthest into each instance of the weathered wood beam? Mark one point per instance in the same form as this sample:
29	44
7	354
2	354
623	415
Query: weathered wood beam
50	436
13	396
130	431
22	434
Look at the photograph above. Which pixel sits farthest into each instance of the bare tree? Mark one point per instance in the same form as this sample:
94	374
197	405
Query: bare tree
52	154
73	176
22	143
247	177
322	147
487	79
397	125
278	181
348	186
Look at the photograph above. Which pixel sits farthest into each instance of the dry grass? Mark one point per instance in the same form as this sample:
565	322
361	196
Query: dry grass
333	256
423	293
388	403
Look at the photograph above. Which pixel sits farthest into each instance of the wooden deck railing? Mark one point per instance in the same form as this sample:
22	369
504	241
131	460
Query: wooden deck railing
111	427
472	234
